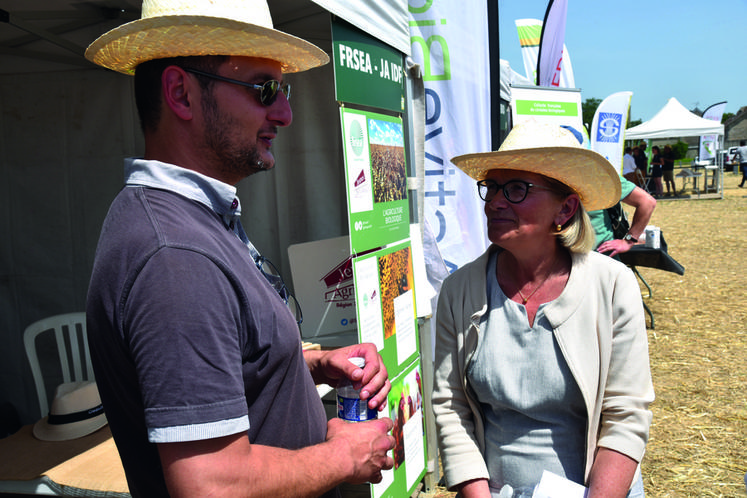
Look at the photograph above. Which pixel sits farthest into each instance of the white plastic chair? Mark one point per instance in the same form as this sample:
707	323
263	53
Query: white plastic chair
69	329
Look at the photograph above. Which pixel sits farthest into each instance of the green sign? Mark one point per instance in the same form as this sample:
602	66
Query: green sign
376	174
405	408
546	108
385	304
367	71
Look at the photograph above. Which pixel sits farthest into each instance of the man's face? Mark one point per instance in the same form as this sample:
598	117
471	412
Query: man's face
238	128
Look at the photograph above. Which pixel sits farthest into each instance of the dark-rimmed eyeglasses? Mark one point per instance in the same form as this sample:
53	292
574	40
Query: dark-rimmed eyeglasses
268	91
268	270
515	191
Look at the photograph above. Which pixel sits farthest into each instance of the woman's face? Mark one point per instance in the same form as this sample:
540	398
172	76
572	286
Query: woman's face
514	226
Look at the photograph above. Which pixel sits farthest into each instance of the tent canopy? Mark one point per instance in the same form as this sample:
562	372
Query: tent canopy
674	120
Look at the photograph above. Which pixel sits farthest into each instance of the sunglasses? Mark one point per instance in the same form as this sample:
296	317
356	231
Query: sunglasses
268	270
515	191
268	91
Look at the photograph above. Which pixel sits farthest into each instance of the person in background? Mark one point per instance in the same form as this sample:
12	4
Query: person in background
197	355
538	365
742	152
629	166
641	160
667	169
656	171
643	205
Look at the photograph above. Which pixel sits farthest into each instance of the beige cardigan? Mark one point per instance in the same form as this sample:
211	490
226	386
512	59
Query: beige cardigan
599	323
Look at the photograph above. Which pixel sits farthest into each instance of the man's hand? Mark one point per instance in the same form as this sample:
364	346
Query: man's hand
615	246
368	443
329	367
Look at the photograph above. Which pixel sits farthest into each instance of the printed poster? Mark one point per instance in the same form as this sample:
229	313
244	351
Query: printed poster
385	299
405	408
376	179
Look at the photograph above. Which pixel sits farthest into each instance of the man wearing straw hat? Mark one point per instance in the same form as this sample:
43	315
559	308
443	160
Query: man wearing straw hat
196	351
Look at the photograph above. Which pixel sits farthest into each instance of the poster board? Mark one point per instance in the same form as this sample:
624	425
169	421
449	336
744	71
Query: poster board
561	106
385	297
322	272
405	408
376	179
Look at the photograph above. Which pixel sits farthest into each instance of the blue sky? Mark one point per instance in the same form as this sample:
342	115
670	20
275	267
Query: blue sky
695	52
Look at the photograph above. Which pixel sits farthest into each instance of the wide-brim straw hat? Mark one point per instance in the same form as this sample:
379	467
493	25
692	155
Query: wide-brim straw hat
554	152
180	28
76	411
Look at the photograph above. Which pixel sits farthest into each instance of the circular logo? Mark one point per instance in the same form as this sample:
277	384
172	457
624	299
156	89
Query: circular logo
356	138
608	128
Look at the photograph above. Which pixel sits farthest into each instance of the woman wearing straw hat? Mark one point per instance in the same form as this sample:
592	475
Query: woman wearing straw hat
541	346
197	355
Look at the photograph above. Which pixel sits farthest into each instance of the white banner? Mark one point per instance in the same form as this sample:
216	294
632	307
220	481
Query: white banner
552	45
530	32
449	40
709	143
608	127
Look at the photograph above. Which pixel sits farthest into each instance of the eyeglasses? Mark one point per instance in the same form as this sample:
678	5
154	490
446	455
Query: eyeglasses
515	191
268	91
272	275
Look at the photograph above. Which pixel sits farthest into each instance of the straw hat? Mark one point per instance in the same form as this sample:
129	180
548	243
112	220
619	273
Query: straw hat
552	151
175	28
76	411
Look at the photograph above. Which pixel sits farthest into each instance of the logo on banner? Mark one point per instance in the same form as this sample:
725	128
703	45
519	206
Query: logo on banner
356	137
610	124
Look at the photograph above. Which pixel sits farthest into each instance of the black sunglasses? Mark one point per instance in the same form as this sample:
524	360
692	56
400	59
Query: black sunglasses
515	191
268	91
268	270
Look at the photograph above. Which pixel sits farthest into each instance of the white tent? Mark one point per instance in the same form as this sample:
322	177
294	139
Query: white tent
673	120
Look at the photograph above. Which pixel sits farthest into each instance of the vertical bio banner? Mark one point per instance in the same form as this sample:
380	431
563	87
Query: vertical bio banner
385	301
608	127
709	143
449	40
405	408
376	179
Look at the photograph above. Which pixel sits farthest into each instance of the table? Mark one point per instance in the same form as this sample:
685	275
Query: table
640	255
87	466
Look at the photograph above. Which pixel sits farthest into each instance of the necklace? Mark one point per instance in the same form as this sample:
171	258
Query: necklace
525	299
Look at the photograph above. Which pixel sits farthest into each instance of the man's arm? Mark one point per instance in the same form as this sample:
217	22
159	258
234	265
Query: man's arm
231	466
644	205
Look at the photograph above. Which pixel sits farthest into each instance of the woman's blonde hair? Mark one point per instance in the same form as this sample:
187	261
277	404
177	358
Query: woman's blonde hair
577	235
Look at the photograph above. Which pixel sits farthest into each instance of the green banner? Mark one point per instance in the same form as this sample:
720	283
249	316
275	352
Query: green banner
367	71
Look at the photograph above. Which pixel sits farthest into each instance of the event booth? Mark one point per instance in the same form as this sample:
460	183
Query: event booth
674	121
67	125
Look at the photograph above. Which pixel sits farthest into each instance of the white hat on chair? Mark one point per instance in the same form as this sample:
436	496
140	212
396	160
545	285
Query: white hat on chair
76	412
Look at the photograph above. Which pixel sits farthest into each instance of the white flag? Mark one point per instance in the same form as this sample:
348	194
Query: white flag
709	143
530	32
608	127
552	47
